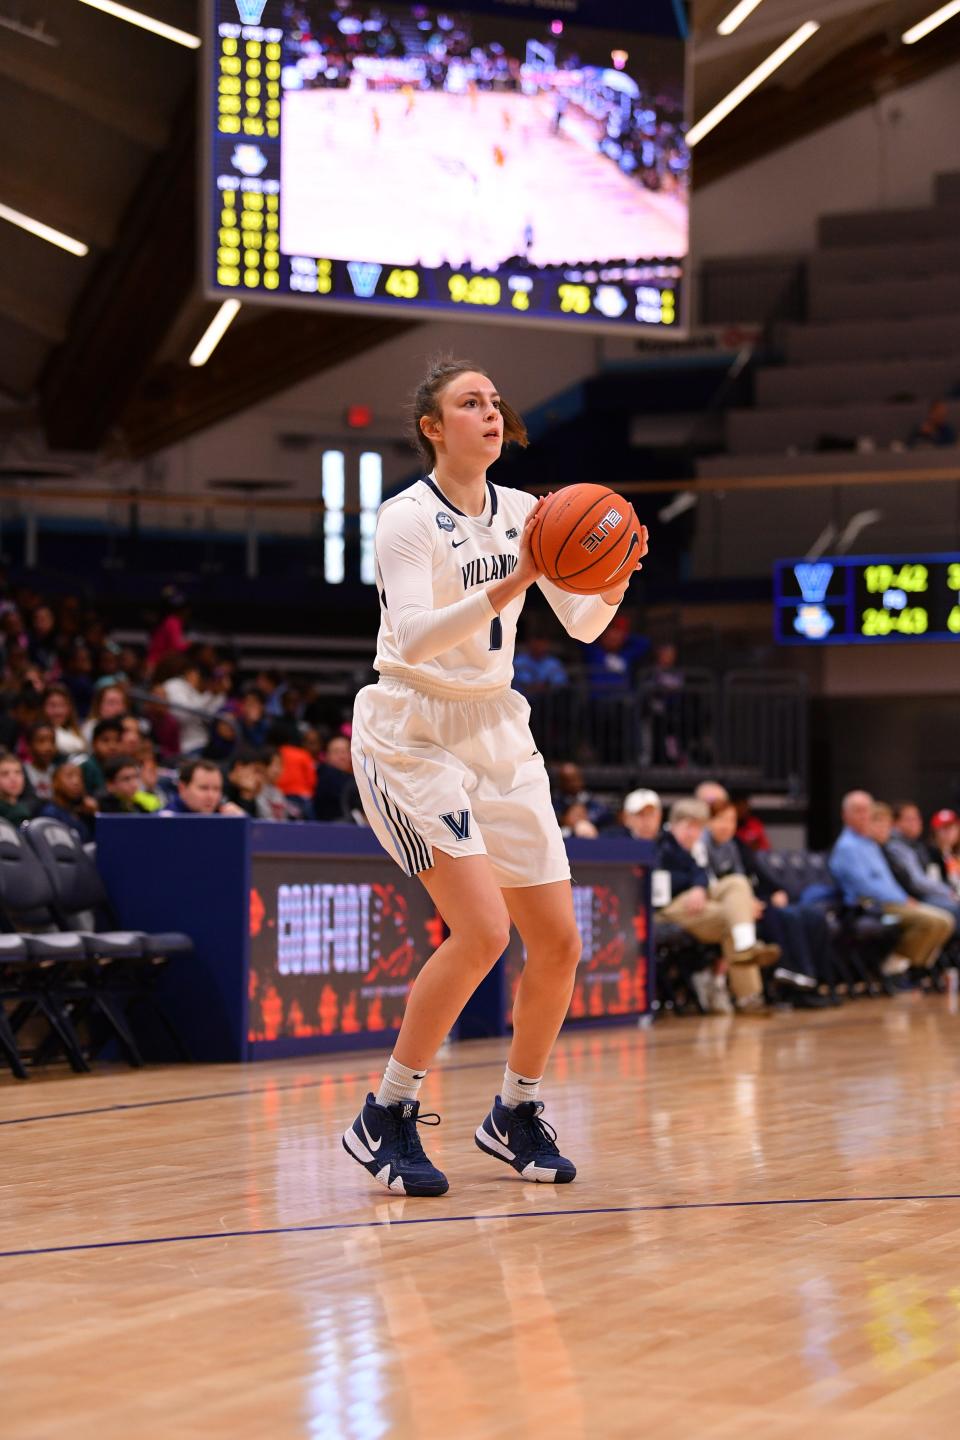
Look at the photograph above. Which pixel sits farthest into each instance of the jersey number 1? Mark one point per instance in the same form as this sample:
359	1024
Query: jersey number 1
496	634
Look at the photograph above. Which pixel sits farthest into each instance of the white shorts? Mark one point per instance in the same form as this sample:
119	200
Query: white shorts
459	775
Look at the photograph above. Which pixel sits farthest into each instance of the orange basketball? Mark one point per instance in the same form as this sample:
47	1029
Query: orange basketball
586	539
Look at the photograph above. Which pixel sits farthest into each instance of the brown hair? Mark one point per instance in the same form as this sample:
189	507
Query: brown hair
718	807
426	402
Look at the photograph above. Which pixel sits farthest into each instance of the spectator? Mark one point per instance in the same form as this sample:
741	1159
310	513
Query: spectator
800	931
194	701
151	796
945	835
711	792
14	806
750	830
168	636
298	772
901	838
334	778
613	659
121	783
42	645
200	791
642	814
41	759
70	802
271	801
132	737
536	668
935	428
78	675
109	703
578	811
244	781
107	737
58	707
253	722
163	723
864	876
717	912
663	686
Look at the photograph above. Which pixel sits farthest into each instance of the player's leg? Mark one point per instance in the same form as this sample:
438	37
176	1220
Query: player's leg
513	1131
384	1138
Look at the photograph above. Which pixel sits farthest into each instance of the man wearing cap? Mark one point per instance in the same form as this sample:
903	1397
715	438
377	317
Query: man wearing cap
912	861
642	814
860	868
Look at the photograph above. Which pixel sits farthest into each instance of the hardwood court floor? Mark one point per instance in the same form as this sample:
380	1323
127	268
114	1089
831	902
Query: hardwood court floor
764	1241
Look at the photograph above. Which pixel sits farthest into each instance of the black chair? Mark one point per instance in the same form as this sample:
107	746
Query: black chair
80	899
679	955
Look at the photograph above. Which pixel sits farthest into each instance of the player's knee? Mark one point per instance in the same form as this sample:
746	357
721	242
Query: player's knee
488	937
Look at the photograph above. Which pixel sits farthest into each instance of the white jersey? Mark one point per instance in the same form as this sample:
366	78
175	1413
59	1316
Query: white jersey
434	564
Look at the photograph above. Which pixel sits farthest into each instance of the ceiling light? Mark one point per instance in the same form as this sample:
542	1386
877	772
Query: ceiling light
737	16
214	332
923	27
146	22
45	232
755	79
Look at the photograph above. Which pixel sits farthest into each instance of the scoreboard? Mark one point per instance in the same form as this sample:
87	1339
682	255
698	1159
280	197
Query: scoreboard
867	599
345	166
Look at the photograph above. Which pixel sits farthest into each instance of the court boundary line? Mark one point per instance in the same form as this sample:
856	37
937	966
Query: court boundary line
387	1224
122	1106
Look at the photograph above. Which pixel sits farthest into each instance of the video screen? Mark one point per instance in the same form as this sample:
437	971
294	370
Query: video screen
613	977
335	946
508	159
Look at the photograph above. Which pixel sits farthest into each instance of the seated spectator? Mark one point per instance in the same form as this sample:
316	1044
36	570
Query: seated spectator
14	806
121	783
613	659
42	639
641	815
663	686
861	870
801	931
579	812
163	723
200	791
253	721
132	737
41	759
244	781
271	801
70	802
109	703
168	637
945	837
750	831
152	795
722	911
107	736
899	832
536	668
935	428
334	778
78	675
58	707
194	699
298	771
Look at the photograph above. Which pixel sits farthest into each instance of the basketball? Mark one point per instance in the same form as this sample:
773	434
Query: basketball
586	539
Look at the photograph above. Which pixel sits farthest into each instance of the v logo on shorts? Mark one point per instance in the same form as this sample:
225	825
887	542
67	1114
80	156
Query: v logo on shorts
458	823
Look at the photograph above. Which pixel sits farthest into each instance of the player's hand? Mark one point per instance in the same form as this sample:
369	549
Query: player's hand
613	597
527	567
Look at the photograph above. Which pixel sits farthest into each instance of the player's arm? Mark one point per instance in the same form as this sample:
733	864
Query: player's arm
585	617
404	546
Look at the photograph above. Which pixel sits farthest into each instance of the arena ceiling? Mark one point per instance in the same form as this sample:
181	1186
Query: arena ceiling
93	350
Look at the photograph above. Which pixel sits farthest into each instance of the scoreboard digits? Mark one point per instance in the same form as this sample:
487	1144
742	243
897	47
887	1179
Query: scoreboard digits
863	600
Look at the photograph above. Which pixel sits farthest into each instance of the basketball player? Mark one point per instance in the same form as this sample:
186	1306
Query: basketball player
452	781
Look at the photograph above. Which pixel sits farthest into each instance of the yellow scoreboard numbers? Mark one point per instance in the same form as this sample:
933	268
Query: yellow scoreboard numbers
474	289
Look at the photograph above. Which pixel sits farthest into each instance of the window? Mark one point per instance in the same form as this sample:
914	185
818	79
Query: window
334	492
371	493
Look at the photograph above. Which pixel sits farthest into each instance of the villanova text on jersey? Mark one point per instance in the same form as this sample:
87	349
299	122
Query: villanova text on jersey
487	568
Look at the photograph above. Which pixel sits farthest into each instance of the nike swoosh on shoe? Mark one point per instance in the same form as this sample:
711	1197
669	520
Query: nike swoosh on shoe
374	1144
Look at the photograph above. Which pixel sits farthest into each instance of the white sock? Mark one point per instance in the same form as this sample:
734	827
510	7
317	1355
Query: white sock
399	1083
744	935
517	1088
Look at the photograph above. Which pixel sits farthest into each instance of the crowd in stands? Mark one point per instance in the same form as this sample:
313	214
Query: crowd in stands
750	942
89	726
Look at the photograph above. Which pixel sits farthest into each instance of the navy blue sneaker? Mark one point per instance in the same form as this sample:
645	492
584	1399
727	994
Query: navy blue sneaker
521	1139
384	1140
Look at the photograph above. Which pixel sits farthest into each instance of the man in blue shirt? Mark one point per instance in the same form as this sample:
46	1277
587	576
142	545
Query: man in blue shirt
860	868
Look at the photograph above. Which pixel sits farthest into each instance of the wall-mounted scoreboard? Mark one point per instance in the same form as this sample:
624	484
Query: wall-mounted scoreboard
867	599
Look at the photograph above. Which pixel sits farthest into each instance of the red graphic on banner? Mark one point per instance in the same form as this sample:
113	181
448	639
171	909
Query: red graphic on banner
257	911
